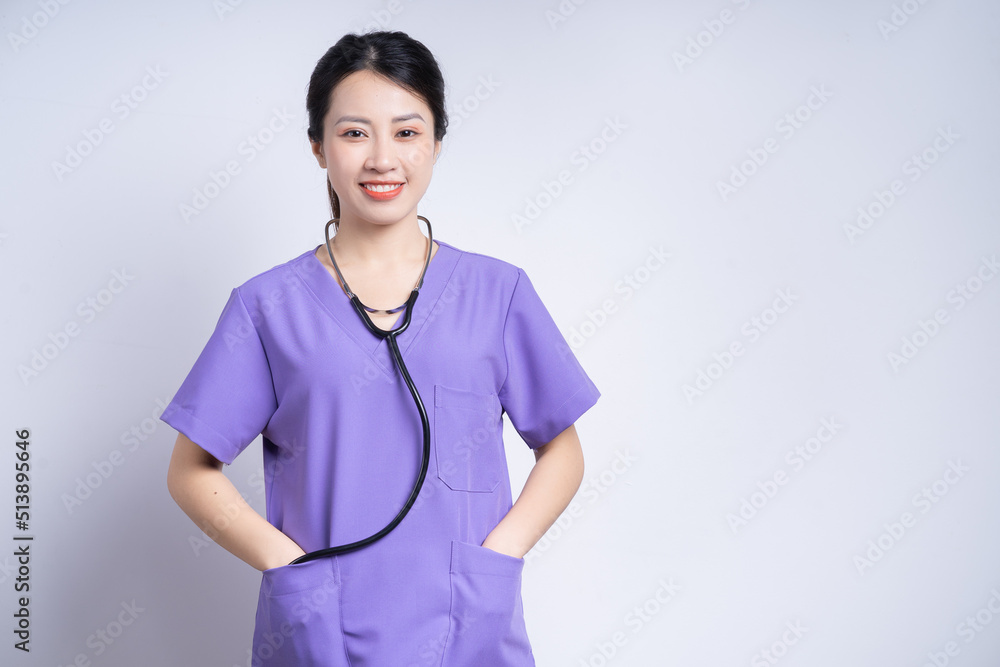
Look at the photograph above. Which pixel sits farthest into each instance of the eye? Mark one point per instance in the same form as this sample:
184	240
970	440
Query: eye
411	133
352	136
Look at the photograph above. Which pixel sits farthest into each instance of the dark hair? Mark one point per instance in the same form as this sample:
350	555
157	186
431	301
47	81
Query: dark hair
393	55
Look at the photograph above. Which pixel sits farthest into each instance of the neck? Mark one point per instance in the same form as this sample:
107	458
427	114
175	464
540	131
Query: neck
362	243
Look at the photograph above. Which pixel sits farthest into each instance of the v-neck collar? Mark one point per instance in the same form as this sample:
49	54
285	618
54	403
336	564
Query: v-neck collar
336	302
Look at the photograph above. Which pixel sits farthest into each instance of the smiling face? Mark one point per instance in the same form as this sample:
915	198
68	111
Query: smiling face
378	149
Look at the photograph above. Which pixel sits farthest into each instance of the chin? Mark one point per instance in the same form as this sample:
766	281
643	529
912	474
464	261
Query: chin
385	217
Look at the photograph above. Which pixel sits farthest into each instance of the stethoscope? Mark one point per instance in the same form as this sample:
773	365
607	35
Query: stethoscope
363	311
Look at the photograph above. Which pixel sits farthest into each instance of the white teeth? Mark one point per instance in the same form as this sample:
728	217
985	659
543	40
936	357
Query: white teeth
380	188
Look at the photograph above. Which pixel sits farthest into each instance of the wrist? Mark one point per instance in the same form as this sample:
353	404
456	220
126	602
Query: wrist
503	546
282	555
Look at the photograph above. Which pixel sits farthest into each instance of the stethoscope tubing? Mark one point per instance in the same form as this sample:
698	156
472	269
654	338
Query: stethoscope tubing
389	336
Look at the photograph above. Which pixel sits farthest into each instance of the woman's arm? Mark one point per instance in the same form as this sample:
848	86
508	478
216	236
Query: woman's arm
552	483
196	483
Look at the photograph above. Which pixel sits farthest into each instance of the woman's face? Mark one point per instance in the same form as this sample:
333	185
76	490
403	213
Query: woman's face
378	148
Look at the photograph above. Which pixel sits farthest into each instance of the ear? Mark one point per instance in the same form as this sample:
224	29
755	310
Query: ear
437	150
317	150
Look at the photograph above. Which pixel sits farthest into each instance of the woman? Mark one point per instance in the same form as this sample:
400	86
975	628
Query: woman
290	359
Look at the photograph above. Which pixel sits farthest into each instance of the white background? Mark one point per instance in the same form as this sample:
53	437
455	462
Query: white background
668	471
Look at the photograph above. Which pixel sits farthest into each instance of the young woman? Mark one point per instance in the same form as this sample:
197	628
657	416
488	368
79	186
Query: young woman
292	358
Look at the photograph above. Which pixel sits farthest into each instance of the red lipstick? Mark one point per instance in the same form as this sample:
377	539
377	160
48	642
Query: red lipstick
383	196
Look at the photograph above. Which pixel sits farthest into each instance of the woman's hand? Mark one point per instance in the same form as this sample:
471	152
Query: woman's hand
284	555
496	544
198	485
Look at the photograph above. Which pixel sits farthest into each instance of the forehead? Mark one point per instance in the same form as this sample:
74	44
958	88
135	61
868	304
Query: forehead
367	90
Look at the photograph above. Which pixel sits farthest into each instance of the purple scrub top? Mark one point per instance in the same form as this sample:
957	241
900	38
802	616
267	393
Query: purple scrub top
290	359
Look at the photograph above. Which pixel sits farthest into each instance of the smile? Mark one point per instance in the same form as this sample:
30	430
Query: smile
382	192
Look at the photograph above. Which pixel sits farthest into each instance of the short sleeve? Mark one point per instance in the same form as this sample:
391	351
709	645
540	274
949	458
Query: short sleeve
546	389
228	397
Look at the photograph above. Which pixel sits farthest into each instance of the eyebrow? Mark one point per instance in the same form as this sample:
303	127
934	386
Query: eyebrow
397	119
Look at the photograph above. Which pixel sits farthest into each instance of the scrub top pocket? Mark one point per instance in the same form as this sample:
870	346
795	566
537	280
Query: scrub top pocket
298	616
467	439
486	620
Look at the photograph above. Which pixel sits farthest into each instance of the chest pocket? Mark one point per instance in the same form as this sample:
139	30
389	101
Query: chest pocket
467	439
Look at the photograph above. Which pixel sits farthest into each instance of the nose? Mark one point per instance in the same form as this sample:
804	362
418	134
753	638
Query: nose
382	156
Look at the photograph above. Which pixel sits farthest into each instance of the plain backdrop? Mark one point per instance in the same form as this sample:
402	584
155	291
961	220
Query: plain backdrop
768	229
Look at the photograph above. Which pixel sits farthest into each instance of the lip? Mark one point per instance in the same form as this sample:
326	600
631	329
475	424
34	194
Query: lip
382	196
